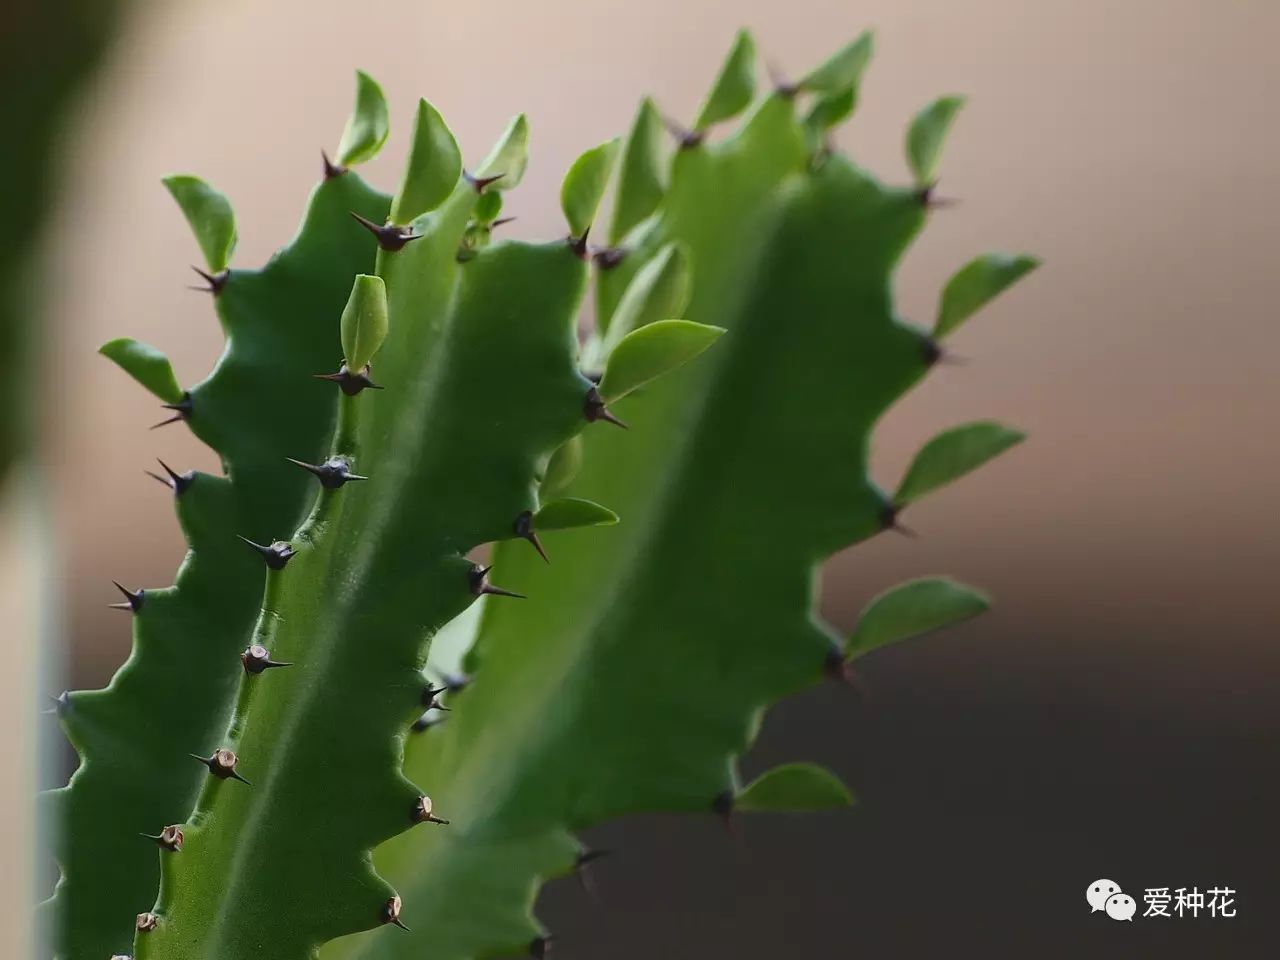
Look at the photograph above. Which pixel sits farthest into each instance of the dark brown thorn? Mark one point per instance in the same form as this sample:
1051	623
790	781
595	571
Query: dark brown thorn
781	85
332	474
214	281
147	922
429	694
276	555
134	599
889	520
500	221
421	812
350	383
180	482
331	169
222	764
606	258
170	838
257	658
479	183
182	408
390	237
480	584
580	869
61	704
579	244
593	409
839	668
524	530
159	479
391	912
539	947
930	350
930	201
686	138
426	722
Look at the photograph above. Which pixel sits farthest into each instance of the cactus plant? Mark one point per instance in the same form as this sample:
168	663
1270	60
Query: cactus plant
650	590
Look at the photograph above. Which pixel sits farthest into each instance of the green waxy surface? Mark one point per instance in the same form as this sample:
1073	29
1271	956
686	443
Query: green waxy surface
914	608
793	787
175	693
480	386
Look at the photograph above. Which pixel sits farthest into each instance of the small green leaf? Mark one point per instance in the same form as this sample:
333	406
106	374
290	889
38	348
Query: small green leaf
572	512
145	364
509	156
562	467
640	178
651	351
368	125
927	134
364	321
914	608
952	454
434	165
794	787
843	69
211	218
488	206
658	291
829	110
734	87
977	282
584	186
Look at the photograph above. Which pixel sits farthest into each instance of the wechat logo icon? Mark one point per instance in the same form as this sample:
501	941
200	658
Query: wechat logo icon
1107	896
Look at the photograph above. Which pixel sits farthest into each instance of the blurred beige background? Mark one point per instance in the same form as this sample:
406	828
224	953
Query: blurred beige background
1130	143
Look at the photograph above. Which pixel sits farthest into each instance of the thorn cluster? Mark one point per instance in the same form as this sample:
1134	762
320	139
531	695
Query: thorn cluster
222	764
390	236
279	553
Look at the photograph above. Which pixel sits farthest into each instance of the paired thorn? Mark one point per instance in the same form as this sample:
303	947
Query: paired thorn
350	383
539	947
183	410
390	237
133	599
889	515
934	354
480	585
257	658
61	704
332	474
686	138
331	169
593	408
606	258
479	183
781	85
524	529
930	201
429	694
214	282
579	244
222	764
420	812
147	922
276	555
179	483
170	838
836	666
391	912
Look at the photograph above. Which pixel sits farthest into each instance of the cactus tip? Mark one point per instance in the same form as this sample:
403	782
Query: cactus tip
214	281
331	169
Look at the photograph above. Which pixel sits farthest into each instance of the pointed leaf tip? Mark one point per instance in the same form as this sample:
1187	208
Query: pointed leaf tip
509	156
735	85
147	365
651	351
434	166
364	321
952	454
211	218
794	787
843	69
368	125
563	466
640	187
975	284
584	186
927	135
572	512
912	609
